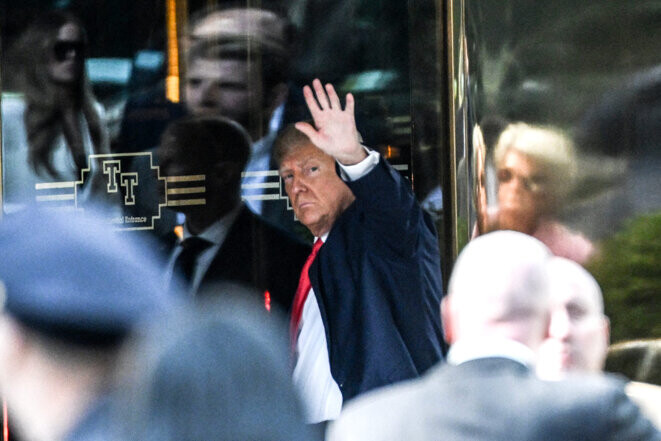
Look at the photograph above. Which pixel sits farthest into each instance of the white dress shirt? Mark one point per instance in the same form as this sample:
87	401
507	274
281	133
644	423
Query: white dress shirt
467	350
322	399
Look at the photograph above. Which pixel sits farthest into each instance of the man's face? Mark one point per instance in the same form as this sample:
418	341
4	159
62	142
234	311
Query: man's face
317	193
521	192
578	332
227	88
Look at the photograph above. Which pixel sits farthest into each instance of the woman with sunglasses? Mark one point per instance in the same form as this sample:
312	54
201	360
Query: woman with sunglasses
53	126
536	167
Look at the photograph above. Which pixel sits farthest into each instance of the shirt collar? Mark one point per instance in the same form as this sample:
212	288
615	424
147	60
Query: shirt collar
216	232
465	350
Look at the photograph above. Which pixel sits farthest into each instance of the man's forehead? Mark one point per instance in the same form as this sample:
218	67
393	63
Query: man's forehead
572	283
571	293
300	154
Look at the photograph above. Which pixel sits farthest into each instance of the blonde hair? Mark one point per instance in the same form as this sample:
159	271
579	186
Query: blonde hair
548	146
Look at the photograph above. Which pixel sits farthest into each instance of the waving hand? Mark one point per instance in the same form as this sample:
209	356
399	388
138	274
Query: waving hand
336	132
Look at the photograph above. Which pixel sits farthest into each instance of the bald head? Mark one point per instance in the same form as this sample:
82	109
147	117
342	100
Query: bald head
579	330
499	288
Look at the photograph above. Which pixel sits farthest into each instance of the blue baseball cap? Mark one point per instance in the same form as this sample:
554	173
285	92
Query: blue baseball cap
69	276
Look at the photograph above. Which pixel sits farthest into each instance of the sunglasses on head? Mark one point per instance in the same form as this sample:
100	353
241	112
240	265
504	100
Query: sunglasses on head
62	49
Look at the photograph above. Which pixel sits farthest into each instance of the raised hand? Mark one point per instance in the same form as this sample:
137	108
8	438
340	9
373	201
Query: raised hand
336	132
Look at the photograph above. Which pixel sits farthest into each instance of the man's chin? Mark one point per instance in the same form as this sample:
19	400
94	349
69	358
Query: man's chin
316	225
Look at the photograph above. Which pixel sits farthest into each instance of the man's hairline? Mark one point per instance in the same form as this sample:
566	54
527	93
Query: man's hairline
291	149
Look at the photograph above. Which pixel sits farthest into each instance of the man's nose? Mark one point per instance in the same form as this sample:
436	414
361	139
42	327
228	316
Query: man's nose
202	92
298	184
560	325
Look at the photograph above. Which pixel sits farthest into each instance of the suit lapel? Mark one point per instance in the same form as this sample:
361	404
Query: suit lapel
236	249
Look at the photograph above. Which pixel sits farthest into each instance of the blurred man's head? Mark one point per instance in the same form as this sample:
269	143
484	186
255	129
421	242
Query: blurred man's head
211	373
71	291
211	152
579	330
238	61
317	194
499	288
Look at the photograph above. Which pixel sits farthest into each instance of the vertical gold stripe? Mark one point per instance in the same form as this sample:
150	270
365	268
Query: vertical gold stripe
449	27
174	19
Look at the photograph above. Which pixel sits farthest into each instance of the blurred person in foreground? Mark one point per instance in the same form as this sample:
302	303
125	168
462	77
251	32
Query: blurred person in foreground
222	239
72	291
365	311
536	168
496	316
215	372
579	333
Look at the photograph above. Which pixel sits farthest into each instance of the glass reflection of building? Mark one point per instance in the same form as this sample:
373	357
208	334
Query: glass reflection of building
426	75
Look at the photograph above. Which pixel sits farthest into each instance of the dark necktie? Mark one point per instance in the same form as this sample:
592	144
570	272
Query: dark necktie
184	265
302	291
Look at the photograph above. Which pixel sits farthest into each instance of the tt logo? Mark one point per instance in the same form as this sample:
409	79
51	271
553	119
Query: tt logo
113	170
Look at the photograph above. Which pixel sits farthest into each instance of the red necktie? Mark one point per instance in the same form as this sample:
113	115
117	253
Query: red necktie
302	291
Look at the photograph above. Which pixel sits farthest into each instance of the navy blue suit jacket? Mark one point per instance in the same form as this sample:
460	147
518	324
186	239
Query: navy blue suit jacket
377	280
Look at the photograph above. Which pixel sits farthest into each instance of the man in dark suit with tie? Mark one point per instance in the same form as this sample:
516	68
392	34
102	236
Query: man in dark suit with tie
496	316
223	241
373	318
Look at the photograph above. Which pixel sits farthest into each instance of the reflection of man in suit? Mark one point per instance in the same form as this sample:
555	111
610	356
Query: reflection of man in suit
495	316
233	244
238	62
372	318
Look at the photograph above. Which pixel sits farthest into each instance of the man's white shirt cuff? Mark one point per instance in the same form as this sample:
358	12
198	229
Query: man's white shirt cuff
357	171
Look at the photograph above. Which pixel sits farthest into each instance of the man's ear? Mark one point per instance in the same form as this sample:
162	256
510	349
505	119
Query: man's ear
446	319
607	330
547	320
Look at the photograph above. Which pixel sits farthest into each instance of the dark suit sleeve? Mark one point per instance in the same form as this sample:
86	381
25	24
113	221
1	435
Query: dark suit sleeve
593	408
626	420
389	211
378	283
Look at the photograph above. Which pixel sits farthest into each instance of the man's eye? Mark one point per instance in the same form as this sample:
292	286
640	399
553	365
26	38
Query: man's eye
194	82
576	312
504	175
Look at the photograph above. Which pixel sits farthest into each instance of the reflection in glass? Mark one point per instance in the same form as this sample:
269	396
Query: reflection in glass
535	168
54	124
589	72
238	64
